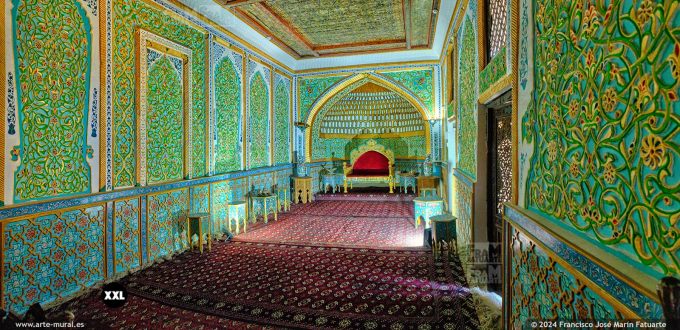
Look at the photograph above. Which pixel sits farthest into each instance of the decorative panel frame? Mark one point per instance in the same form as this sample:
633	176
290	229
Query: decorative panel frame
614	285
145	41
11	141
347	85
279	80
221	51
253	69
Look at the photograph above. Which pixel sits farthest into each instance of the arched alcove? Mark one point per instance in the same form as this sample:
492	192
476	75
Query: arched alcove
366	107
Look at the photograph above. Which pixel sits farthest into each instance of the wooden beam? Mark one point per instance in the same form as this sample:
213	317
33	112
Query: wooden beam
407	22
360	44
264	31
289	28
235	3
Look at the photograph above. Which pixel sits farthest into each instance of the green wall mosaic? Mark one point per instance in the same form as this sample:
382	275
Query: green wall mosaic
52	50
128	17
310	89
167	234
542	289
467	108
408	147
420	82
604	125
228	116
126	245
494	71
164	121
258	119
281	124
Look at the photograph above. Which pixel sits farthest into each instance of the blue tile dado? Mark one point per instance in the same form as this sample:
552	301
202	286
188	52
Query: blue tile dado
13	211
639	303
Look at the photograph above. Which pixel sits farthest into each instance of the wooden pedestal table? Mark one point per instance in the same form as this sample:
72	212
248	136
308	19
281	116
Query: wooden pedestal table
406	180
263	205
427	182
443	230
427	192
303	192
425	208
283	194
334	181
237	211
199	219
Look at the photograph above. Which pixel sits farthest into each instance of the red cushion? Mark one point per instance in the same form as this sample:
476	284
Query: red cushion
371	163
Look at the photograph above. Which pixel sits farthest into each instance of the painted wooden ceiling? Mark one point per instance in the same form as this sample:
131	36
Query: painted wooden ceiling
324	28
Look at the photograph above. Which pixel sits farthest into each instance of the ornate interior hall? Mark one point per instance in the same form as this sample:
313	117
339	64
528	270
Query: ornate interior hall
338	164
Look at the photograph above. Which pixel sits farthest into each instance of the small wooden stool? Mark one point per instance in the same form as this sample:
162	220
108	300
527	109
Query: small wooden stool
443	230
199	219
237	211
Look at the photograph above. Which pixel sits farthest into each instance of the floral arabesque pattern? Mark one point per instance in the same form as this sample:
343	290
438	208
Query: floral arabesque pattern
281	124
541	289
228	116
467	132
164	122
604	125
53	50
258	154
128	17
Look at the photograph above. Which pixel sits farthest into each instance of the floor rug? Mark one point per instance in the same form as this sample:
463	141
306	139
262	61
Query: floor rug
142	313
314	287
365	196
326	230
355	209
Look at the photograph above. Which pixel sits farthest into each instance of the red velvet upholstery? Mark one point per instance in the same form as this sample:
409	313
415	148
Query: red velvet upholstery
371	163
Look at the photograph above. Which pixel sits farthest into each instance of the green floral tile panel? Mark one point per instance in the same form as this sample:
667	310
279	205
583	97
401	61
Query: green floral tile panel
420	83
52	49
219	197
128	17
228	116
200	199
281	124
467	111
52	256
462	210
542	289
407	147
165	122
310	89
126	245
493	72
167	233
258	155
605	123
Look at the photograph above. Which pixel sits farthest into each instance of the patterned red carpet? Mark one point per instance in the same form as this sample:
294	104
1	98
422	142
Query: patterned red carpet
355	209
313	287
142	313
374	196
314	281
341	231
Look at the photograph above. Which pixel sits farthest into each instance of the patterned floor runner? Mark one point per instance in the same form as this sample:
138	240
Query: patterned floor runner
355	209
367	195
327	230
314	281
313	287
142	313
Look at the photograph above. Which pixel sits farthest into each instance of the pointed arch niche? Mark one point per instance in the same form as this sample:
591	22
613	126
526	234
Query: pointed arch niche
364	107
